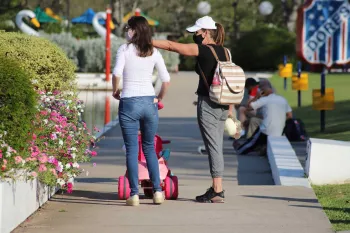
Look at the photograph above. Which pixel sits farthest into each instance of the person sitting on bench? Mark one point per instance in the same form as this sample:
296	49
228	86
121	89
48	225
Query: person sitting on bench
275	110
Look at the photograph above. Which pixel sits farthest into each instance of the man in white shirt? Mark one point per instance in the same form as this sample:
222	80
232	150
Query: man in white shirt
275	110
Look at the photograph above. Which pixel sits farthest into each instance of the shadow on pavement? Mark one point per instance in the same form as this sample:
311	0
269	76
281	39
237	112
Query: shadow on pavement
314	200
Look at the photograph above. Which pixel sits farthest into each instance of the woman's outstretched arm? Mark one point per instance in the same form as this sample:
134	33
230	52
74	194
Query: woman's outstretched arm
183	49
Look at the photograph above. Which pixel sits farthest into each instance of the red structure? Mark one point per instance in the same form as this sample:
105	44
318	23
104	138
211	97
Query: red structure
108	43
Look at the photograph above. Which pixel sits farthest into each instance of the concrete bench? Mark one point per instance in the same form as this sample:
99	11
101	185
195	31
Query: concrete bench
285	166
328	161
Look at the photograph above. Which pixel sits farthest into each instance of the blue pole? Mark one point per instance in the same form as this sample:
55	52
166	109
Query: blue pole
285	78
323	91
299	92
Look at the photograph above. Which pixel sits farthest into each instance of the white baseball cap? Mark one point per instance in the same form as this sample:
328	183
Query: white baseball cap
205	22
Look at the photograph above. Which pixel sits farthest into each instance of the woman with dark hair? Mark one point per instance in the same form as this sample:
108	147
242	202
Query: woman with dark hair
138	107
211	116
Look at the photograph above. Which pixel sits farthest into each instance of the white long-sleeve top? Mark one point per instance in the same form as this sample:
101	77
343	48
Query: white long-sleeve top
136	71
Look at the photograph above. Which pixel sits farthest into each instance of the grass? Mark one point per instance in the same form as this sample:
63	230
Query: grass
337	121
335	200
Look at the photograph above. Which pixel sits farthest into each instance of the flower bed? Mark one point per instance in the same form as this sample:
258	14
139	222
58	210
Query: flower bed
60	142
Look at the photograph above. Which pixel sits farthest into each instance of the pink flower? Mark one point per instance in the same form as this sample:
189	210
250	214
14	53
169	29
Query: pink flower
44	113
94	164
69	187
4	161
0	154
34	174
69	138
34	154
42	92
34	136
53	171
93	153
42	168
43	159
96	129
18	159
53	136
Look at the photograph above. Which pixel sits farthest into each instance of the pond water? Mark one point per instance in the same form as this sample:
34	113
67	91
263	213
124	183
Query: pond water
95	104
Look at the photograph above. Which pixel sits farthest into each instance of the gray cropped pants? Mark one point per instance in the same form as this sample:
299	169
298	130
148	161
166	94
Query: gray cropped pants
211	120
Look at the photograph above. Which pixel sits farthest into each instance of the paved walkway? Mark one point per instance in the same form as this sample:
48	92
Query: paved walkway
253	203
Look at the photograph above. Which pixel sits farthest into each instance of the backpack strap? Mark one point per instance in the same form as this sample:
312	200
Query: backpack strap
214	53
203	76
228	54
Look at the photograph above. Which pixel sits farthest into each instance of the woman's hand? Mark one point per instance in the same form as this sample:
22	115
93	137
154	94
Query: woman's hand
116	94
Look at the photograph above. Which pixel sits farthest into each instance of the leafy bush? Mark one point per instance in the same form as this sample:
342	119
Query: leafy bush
17	103
264	48
89	55
52	27
44	61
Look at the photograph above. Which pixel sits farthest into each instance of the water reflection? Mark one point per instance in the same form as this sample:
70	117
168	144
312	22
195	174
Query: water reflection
94	112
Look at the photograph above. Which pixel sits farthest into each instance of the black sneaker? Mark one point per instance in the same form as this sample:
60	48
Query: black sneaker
211	197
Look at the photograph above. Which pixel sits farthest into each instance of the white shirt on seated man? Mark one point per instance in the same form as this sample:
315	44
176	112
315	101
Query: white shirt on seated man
275	111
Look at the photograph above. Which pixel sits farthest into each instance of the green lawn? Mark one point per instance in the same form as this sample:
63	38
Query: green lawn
337	121
335	200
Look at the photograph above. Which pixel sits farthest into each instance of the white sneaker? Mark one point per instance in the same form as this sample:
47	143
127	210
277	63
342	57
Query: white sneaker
133	200
158	197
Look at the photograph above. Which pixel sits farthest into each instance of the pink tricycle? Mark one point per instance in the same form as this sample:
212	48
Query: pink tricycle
169	182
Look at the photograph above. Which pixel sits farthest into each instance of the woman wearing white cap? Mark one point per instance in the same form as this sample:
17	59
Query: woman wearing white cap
211	116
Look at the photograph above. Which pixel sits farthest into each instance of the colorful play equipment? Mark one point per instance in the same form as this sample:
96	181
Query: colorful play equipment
138	12
98	27
300	82
169	184
323	101
43	17
285	71
86	18
52	14
24	27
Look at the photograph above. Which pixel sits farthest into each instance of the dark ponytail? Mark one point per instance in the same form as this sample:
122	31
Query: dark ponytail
218	34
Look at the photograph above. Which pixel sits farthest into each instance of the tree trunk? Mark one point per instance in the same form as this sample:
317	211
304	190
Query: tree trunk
292	19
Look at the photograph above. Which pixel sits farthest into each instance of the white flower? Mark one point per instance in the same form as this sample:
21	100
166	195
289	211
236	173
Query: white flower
59	167
8	153
79	114
5	133
49	93
82	110
73	155
45	121
68	166
60	142
60	181
34	81
73	149
69	101
47	100
76	165
23	161
79	106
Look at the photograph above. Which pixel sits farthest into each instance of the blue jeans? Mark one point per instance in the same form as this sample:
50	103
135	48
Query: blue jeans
140	113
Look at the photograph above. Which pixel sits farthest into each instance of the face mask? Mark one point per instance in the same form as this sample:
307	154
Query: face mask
129	35
198	39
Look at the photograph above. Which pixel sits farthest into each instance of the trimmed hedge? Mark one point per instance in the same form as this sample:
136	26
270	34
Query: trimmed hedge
89	55
18	102
44	62
264	48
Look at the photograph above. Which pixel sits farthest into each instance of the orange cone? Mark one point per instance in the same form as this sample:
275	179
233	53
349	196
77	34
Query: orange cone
107	110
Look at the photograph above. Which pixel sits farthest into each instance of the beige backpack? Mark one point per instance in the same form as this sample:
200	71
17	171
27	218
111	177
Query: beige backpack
228	82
